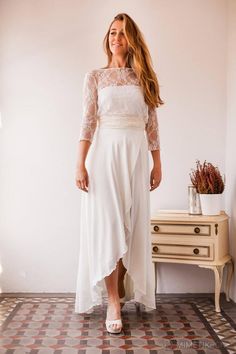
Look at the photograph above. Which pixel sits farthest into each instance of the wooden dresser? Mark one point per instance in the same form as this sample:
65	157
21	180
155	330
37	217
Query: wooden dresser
178	237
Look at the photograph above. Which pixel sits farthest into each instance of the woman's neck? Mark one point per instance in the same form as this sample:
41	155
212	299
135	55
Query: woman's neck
118	63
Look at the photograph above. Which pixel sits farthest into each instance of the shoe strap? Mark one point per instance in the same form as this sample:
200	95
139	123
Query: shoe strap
111	322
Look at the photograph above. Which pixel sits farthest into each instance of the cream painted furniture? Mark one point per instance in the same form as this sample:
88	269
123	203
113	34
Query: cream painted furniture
178	237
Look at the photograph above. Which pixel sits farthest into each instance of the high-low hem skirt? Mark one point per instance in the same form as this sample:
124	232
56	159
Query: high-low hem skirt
115	218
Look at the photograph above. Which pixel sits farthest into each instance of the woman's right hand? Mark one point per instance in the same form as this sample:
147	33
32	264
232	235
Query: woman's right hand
82	178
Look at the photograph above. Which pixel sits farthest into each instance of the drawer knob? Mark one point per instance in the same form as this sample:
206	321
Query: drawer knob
155	249
197	230
196	251
156	228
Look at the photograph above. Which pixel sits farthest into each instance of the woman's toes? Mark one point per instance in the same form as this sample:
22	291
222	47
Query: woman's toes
116	326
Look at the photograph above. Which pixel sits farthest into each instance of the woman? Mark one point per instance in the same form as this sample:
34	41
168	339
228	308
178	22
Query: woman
119	126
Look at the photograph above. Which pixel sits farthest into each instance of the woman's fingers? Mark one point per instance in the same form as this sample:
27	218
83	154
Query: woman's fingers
155	179
151	179
84	185
154	185
82	180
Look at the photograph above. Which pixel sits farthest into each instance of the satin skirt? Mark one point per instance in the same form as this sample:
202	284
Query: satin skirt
115	214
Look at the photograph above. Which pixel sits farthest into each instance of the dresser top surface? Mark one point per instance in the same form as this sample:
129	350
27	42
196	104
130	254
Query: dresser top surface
183	215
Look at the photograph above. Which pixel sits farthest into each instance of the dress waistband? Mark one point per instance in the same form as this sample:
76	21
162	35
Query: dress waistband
114	121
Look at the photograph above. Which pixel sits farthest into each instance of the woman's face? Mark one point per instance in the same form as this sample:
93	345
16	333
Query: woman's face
117	42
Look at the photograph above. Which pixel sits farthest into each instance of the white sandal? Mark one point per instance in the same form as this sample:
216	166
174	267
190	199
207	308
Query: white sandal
110	328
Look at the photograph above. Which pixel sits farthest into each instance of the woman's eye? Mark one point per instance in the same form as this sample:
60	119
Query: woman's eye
115	33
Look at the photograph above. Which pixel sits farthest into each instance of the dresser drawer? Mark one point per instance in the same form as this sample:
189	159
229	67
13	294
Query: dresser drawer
182	251
181	229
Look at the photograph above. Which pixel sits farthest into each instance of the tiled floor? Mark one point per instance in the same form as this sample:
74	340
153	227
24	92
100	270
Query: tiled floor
46	324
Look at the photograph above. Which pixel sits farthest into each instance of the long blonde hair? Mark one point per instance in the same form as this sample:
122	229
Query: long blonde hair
138	58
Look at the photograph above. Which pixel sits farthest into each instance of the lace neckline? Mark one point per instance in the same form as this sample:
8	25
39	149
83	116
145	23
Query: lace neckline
117	68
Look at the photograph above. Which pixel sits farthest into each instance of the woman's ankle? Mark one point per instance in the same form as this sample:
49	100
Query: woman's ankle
114	300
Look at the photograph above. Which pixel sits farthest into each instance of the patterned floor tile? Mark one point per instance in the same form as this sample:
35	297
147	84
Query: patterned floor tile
48	324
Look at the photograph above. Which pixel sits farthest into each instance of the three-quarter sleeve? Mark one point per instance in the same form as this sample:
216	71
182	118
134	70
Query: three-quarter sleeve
152	130
89	101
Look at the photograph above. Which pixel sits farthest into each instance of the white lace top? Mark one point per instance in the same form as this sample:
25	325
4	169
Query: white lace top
116	91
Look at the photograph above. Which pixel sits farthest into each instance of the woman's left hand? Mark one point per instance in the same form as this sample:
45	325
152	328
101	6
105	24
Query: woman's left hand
155	178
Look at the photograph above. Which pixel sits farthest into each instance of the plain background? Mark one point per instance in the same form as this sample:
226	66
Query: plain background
46	48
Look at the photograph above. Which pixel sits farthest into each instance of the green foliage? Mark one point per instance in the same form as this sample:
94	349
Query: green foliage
207	178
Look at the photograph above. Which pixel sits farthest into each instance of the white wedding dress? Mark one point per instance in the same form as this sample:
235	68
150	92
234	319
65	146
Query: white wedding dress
115	213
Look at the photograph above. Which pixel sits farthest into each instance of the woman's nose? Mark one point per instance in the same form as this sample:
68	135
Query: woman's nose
118	36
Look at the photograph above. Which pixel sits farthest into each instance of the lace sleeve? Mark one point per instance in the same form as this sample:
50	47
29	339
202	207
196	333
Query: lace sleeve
152	130
89	100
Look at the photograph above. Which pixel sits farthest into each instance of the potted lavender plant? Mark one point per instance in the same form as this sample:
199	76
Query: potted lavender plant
209	183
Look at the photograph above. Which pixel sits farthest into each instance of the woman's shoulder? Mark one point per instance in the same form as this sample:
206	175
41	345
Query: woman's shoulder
95	73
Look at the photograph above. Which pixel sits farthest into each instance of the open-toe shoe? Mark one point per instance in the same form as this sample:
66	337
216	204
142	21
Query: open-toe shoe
111	329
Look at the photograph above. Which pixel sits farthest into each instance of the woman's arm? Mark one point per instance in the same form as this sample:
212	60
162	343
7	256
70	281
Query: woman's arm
81	174
87	130
152	129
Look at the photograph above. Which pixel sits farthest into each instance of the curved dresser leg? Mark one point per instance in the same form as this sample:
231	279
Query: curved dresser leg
230	269
218	271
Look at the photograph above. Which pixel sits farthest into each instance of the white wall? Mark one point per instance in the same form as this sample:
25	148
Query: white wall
46	48
230	196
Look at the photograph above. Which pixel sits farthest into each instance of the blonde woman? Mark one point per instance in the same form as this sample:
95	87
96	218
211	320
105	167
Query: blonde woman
119	127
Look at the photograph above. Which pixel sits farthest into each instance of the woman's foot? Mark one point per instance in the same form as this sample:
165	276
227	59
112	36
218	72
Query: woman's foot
113	314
